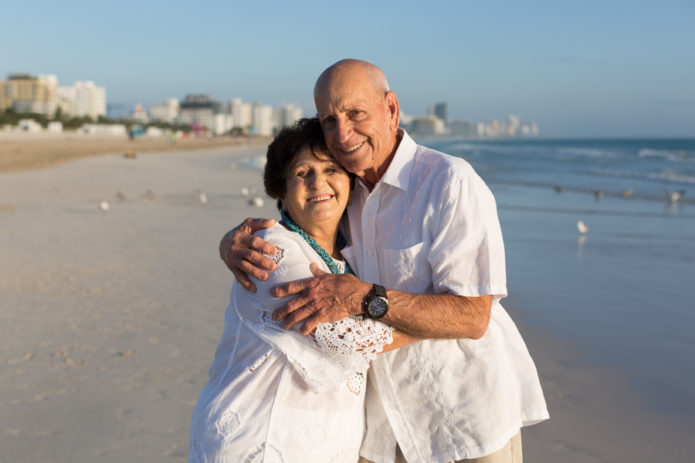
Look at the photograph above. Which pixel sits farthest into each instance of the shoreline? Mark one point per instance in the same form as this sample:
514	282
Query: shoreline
19	152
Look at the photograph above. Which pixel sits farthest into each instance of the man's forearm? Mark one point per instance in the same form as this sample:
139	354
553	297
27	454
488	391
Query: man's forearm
438	315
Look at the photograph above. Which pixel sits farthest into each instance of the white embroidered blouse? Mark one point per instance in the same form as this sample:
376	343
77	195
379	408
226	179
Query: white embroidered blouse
275	395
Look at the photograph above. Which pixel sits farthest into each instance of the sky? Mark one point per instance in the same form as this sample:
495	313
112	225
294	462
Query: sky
579	69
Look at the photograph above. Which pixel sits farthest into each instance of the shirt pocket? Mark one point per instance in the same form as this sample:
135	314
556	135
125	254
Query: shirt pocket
405	269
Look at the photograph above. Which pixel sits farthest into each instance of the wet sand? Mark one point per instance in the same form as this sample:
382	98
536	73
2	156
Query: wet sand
110	319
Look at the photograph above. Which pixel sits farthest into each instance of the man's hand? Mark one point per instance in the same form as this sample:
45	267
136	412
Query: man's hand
324	298
242	252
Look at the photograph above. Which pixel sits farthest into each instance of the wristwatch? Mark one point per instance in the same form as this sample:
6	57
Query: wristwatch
376	304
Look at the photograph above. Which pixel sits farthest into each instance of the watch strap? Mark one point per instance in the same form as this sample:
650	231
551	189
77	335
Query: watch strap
379	290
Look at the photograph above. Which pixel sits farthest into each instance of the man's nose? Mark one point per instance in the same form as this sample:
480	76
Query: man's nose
344	131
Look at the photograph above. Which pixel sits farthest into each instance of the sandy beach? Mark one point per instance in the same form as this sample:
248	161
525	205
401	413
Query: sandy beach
110	318
21	151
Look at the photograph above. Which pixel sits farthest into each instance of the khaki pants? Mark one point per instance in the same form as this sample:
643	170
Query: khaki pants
510	453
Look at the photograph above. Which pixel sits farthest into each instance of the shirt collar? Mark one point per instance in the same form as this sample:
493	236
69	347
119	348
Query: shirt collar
398	172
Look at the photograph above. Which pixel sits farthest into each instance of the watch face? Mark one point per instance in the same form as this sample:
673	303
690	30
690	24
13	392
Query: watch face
377	307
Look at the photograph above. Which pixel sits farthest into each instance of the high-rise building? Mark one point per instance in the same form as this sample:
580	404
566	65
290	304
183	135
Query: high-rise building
165	112
288	115
241	114
28	94
199	109
427	126
263	120
82	99
440	110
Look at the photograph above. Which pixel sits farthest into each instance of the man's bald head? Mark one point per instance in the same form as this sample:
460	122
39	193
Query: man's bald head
353	67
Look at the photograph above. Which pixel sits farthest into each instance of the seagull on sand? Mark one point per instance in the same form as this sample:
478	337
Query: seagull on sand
200	194
245	191
257	201
582	227
104	206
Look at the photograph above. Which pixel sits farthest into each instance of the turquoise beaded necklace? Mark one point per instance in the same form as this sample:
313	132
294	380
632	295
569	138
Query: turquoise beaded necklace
289	223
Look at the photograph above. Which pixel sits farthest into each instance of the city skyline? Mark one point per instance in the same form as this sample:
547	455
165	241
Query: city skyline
595	69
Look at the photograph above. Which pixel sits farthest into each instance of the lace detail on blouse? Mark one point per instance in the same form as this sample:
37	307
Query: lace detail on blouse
354	337
227	424
266	318
257	364
356	383
280	270
279	255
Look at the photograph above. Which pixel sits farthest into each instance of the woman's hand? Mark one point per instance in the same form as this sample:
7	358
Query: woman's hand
242	252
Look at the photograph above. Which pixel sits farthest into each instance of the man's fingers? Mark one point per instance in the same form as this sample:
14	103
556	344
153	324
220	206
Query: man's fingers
289	307
255	224
293	287
253	242
297	316
311	323
250	269
243	280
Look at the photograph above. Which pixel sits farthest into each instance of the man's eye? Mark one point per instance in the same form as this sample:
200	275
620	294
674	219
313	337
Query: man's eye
327	122
356	114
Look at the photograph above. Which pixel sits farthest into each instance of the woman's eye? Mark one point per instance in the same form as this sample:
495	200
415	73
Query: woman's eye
302	173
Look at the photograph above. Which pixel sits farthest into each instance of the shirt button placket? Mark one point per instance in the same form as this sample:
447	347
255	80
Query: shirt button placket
369	234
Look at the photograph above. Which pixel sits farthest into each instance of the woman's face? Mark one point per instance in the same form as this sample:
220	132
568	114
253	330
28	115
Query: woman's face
317	189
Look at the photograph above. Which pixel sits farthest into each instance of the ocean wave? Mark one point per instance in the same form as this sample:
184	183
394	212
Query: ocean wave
672	176
588	152
558	152
667	175
662	154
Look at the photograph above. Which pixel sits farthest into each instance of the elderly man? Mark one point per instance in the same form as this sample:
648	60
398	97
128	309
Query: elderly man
427	246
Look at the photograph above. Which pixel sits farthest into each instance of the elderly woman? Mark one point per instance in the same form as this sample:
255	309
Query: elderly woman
275	395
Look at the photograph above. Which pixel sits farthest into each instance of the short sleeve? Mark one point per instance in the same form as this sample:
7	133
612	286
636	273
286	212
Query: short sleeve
467	252
336	354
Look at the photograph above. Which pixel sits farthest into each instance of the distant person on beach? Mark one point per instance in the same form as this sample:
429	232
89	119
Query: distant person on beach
427	247
277	393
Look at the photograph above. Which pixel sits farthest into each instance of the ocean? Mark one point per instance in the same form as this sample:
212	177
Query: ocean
623	293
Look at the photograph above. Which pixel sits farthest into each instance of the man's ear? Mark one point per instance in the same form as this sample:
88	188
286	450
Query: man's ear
394	109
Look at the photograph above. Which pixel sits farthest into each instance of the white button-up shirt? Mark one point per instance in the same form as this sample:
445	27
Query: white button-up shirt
430	226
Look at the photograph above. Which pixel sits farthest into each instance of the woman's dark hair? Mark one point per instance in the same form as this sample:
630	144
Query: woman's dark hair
284	148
